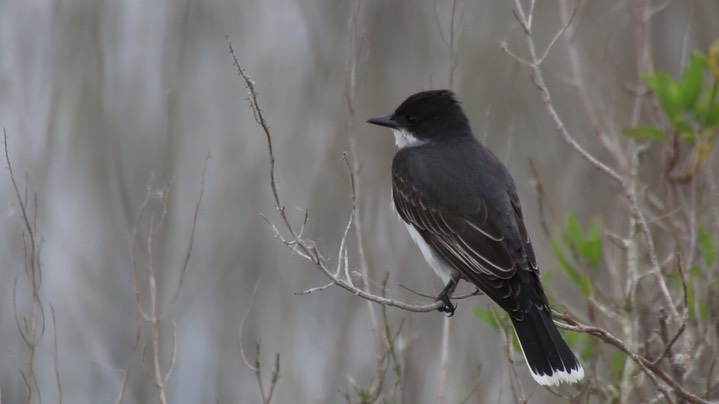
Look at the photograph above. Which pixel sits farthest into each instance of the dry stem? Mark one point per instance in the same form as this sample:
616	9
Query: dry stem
294	240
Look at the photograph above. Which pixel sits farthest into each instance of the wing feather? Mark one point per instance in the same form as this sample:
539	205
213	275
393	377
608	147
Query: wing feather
472	239
462	229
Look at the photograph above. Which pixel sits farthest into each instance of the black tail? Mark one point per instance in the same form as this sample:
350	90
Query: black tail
549	358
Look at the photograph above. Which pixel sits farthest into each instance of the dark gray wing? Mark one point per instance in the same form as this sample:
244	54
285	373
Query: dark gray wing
470	239
529	253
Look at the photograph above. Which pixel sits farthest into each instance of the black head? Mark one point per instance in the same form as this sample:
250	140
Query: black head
428	115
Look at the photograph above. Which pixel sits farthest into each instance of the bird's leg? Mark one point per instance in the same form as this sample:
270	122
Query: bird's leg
446	294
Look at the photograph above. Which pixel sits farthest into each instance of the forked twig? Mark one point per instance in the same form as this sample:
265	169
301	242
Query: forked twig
257	367
305	247
650	368
32	327
627	185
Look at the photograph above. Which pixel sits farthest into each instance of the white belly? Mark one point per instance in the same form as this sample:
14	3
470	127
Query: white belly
440	267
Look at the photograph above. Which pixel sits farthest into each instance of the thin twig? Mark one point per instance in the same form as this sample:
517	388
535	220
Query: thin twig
154	320
315	289
477	292
538	78
242	328
444	362
30	331
579	82
56	360
133	354
303	246
626	185
190	243
257	367
507	342
154	314
649	368
455	36
23	211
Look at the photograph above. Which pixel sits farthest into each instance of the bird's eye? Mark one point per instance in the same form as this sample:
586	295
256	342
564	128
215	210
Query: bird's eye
412	119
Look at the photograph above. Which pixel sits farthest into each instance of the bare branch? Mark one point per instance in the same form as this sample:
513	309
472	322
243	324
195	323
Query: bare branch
133	354
503	46
538	78
455	35
21	202
156	201
173	357
257	367
316	289
649	368
627	185
477	292
579	82
444	362
556	37
242	328
56	361
305	247
188	250
32	328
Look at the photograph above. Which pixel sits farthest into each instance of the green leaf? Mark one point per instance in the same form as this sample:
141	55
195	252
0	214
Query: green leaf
545	277
591	248
574	339
703	104
690	300
571	338
694	272
515	342
643	133
690	137
486	316
564	263
711	118
705	311
713	59
650	80
573	229
617	365
707	245
581	343
588	352
584	284
581	281
668	93
692	80
683	127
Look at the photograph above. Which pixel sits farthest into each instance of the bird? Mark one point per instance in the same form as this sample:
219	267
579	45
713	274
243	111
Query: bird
460	206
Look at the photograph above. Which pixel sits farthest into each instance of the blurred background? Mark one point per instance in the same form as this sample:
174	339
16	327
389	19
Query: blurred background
102	101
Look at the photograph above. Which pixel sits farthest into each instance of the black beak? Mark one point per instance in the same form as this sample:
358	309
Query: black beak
384	120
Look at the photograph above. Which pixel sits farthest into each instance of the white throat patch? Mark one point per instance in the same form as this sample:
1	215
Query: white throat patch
403	139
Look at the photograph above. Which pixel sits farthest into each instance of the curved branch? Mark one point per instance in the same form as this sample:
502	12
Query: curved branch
626	184
650	368
295	241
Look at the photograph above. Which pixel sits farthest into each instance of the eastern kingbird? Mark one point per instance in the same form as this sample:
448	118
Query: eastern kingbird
461	207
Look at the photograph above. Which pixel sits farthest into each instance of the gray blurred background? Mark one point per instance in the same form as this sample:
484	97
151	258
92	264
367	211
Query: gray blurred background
101	99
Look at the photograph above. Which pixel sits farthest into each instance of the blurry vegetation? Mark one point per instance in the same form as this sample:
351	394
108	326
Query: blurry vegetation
634	279
623	308
690	107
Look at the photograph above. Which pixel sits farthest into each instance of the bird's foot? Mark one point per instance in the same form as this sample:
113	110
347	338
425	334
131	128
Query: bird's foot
445	295
448	307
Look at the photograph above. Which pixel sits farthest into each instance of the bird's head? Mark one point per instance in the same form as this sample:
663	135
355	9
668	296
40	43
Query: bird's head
425	117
